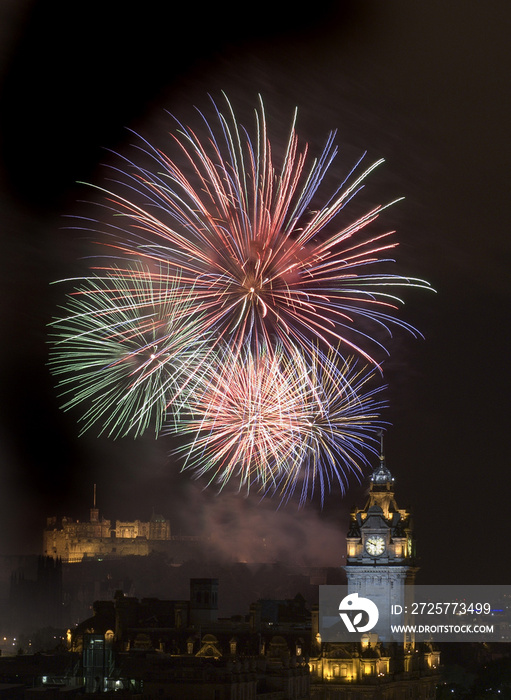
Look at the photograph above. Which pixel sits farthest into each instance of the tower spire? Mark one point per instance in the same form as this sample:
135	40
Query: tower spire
381	474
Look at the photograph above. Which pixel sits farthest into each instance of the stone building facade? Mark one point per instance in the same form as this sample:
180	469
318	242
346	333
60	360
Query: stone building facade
180	649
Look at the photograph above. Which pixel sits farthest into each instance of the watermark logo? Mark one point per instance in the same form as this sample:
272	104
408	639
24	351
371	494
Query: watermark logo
355	604
443	613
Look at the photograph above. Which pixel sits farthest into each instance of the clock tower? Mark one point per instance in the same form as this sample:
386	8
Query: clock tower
380	566
380	546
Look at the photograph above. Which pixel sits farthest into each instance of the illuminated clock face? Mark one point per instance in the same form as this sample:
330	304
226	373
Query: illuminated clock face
375	545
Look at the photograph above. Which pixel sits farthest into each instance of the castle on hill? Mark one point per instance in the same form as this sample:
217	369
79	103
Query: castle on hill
73	541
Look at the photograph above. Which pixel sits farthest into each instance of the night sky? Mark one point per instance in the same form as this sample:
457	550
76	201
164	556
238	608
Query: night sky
424	85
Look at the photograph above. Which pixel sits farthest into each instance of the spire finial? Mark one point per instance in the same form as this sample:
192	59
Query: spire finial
381	475
94	513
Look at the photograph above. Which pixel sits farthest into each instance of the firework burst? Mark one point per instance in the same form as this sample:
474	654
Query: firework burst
243	233
127	348
232	287
271	421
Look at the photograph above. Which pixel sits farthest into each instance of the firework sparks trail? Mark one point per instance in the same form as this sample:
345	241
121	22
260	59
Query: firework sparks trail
126	347
242	233
340	423
272	421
